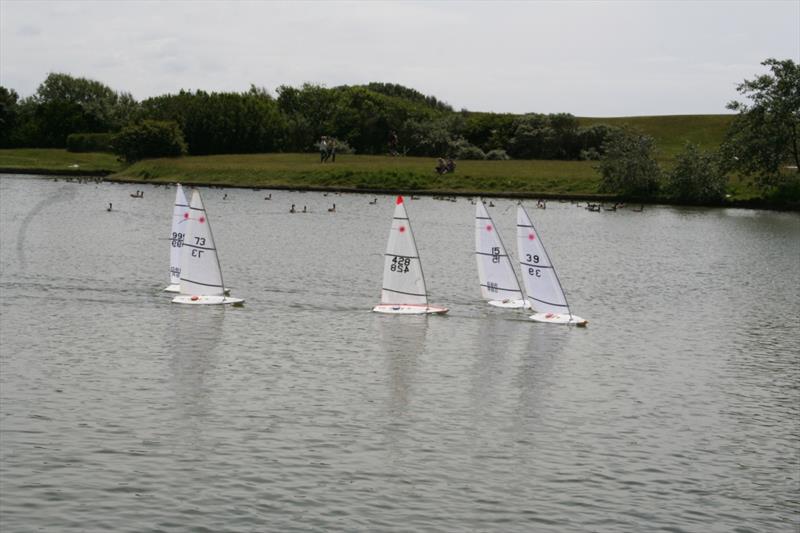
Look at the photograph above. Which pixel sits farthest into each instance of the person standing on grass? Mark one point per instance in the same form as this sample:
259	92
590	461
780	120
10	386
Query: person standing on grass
323	149
332	149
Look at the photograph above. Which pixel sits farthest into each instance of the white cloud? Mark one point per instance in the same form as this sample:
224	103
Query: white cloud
587	58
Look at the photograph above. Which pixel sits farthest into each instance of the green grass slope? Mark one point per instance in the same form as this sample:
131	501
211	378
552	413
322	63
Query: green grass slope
671	132
52	160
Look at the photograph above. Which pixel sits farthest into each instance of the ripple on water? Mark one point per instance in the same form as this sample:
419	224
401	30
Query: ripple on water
676	410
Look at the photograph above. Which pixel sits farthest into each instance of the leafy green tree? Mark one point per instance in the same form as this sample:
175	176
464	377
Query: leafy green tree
697	176
308	112
538	136
405	93
64	104
489	131
765	136
149	138
9	110
434	137
221	123
463	149
628	166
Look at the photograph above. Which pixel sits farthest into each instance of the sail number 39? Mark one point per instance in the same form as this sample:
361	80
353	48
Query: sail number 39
531	270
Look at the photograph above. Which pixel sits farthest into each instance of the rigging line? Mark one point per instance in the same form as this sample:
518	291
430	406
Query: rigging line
535	266
549	303
195	246
201	283
406	293
502	289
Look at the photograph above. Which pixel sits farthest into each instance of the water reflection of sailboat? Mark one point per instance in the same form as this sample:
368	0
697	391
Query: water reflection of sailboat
402	344
191	341
535	375
498	344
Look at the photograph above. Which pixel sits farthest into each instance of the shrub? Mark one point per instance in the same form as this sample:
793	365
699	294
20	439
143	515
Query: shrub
628	166
89	142
697	176
589	154
463	149
498	154
150	138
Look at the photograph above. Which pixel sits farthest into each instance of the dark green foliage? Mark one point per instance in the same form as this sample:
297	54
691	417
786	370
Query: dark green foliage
629	167
90	142
405	93
696	177
149	138
489	131
64	104
536	136
9	111
765	137
221	123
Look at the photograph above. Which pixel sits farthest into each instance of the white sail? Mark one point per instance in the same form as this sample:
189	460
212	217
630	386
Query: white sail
496	273
201	274
539	277
403	282
180	220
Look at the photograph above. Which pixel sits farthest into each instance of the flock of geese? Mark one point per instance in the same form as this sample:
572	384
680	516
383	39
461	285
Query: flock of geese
541	204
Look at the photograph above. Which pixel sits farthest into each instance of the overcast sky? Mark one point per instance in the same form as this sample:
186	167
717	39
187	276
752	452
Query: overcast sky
586	58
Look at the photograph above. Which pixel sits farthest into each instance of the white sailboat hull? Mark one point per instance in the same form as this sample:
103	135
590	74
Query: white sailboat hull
173	287
206	300
510	304
176	287
409	309
557	318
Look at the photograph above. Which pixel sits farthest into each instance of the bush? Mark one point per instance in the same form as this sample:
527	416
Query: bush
463	149
697	176
589	154
498	154
628	166
150	138
89	142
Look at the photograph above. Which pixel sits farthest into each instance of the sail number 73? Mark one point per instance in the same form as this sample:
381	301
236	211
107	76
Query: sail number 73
199	241
400	264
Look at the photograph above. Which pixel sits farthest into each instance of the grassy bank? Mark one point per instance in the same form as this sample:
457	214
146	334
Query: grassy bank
371	173
55	161
537	178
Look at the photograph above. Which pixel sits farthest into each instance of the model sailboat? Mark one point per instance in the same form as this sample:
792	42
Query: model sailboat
498	279
404	290
201	275
180	219
539	276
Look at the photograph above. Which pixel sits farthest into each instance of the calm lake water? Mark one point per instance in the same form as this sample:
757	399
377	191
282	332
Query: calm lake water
677	409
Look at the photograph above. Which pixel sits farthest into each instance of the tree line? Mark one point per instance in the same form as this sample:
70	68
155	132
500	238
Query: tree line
361	119
380	118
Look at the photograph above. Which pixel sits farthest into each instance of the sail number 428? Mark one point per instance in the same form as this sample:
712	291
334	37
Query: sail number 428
400	264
